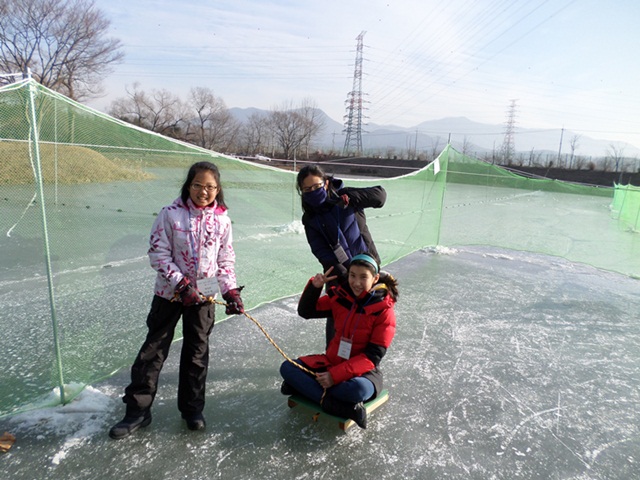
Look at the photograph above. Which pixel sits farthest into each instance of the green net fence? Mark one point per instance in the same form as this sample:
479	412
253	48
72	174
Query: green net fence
80	190
626	206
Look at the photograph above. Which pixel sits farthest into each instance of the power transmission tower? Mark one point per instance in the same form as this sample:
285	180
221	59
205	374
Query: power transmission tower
508	146
353	126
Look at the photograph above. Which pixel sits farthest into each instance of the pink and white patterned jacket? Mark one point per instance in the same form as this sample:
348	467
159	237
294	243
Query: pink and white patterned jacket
180	229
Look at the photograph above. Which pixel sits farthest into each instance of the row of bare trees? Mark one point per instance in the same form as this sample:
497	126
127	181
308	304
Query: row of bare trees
62	43
204	120
613	161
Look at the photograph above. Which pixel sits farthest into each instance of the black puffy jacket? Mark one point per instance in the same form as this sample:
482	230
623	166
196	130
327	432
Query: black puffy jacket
337	221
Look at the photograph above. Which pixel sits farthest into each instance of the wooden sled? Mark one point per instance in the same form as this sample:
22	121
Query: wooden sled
343	423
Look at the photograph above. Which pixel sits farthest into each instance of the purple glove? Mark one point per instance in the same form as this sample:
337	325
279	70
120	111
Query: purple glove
189	295
234	302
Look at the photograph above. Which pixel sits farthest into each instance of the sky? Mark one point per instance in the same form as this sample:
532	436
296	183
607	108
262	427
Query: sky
569	64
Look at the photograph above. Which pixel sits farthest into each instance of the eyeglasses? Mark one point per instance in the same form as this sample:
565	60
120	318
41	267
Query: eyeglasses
312	188
208	188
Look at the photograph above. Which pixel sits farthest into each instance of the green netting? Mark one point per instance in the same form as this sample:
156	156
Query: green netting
626	206
80	190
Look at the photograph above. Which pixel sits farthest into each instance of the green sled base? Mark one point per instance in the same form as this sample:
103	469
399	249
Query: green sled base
343	423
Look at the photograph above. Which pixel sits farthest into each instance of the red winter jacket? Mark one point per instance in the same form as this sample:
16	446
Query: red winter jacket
370	322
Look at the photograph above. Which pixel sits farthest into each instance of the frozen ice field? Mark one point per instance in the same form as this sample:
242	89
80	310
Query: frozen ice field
505	365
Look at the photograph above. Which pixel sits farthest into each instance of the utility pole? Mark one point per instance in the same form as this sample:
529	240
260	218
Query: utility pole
560	147
353	126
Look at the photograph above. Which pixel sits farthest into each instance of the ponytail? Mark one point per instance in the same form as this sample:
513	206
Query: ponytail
391	283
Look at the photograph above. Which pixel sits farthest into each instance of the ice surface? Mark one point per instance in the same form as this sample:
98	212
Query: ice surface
505	365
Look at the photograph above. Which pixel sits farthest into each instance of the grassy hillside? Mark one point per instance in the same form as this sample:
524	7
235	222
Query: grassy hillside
73	165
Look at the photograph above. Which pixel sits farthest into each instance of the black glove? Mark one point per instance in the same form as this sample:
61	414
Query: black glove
234	302
189	295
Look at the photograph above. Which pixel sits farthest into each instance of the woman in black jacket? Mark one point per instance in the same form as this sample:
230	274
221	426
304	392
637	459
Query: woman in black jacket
334	221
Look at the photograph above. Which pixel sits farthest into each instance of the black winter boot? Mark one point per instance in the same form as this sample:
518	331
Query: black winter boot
353	411
195	421
129	424
287	389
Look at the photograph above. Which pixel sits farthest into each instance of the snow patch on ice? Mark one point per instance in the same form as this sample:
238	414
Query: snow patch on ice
84	417
498	256
440	250
294	227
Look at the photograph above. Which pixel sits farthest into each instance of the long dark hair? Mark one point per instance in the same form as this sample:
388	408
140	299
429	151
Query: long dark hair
193	171
316	171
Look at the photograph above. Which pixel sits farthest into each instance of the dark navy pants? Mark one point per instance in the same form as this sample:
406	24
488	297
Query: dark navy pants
358	389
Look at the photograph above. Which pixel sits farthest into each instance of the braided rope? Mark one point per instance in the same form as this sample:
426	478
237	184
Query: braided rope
213	300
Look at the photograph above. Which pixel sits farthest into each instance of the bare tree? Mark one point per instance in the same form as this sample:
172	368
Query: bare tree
62	42
535	159
574	143
580	162
466	146
494	154
435	148
313	124
213	126
294	127
390	152
519	159
286	126
255	134
616	155
206	105
161	111
131	108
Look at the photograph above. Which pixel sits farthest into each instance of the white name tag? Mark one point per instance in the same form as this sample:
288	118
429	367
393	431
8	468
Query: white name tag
208	286
344	350
340	254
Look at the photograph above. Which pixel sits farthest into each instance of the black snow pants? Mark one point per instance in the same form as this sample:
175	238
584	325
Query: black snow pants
197	324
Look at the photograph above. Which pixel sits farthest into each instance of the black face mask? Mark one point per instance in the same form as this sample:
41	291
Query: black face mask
316	197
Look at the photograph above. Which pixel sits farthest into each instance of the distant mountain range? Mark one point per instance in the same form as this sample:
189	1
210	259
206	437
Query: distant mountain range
477	139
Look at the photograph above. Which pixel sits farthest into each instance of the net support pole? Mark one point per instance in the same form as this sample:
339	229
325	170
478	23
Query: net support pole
47	253
443	171
293	193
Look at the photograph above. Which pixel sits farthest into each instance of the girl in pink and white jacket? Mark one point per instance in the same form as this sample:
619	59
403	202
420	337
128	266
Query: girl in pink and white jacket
191	249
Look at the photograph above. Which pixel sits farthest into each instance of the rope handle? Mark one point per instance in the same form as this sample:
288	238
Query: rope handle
217	302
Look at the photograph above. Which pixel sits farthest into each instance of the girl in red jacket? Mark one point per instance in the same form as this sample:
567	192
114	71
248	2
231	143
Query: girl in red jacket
347	375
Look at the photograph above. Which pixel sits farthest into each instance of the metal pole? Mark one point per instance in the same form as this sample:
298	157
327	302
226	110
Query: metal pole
55	149
293	196
47	254
560	147
443	171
